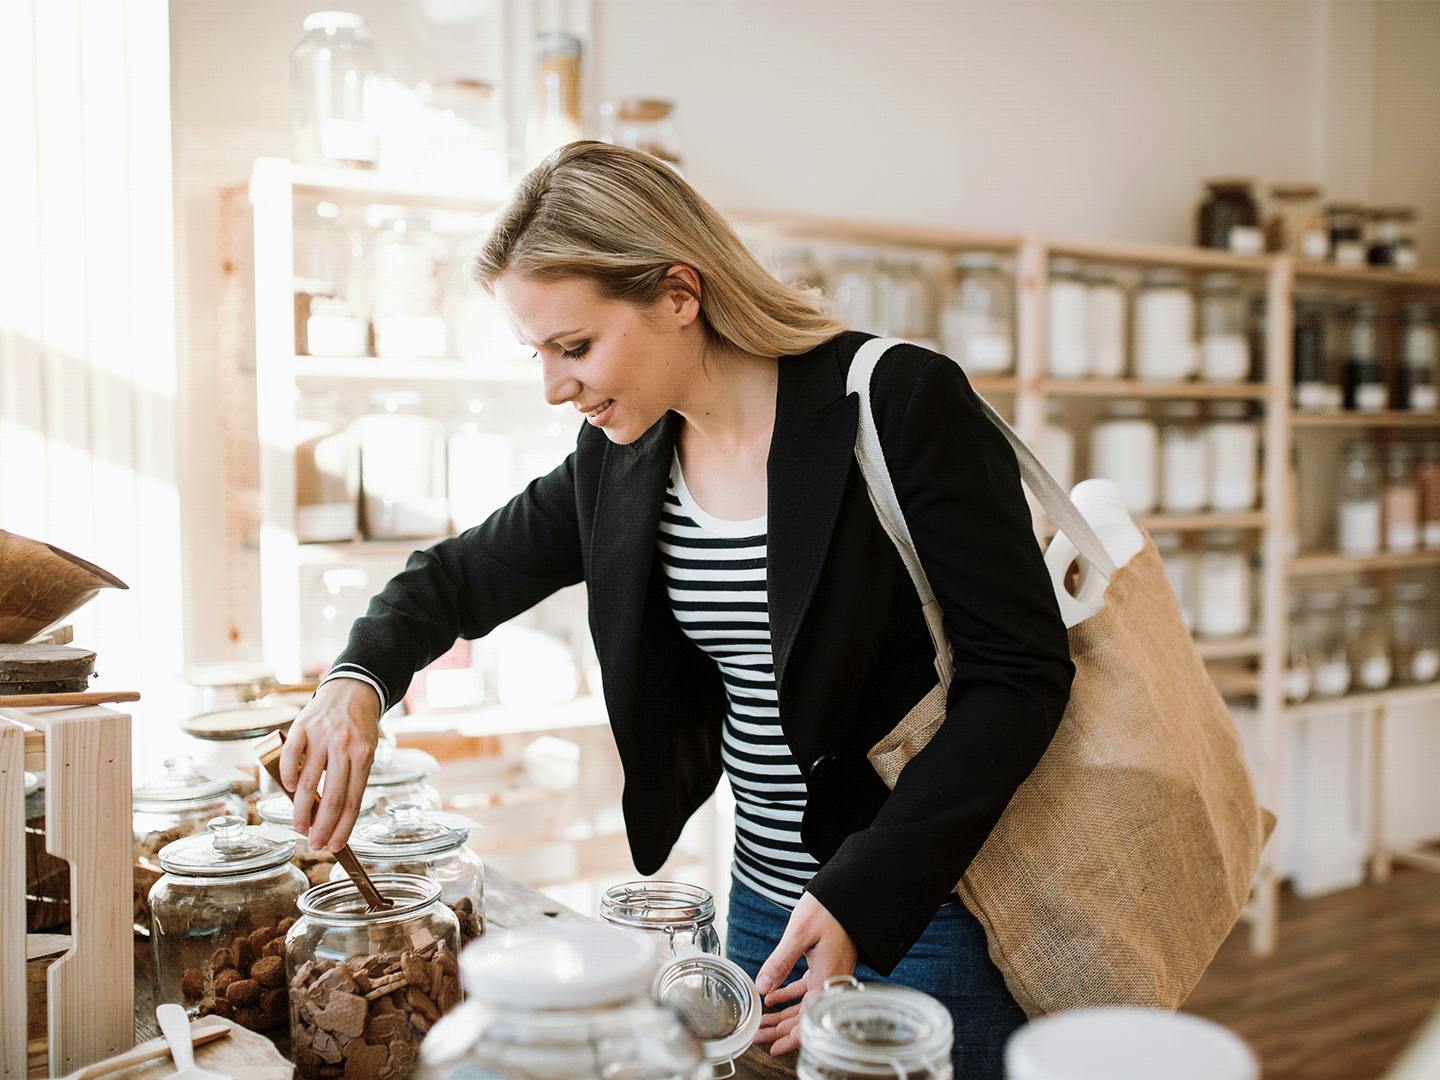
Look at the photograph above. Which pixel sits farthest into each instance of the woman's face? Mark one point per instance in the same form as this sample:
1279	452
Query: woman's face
623	366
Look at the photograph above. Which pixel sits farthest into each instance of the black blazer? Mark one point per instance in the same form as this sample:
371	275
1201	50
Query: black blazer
851	650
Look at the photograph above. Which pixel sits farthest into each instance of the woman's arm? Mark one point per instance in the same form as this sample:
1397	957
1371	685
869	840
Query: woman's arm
959	486
461	587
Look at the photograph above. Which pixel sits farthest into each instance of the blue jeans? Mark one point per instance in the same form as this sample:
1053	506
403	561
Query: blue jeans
949	962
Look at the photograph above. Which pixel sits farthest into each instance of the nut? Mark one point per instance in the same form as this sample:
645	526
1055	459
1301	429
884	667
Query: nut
243	952
243	992
192	985
225	978
269	972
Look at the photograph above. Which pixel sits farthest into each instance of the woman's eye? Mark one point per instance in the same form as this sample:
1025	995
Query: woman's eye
577	352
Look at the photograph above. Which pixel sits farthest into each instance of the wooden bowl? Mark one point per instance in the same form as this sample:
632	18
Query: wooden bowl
40	584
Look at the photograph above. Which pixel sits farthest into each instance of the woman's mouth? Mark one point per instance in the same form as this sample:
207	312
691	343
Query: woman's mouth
600	415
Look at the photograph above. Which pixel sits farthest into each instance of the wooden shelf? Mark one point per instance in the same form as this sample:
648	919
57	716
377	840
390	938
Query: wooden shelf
995	384
1139	388
1334	563
1394	697
348	551
436	369
358	185
1248	519
1367	275
1237	649
1388	419
1180	255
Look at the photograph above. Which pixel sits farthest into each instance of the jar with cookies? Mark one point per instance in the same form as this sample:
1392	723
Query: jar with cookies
366	986
278	812
408	839
220	914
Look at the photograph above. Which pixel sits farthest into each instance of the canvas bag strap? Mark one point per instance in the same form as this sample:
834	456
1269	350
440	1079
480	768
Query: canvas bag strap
1043	486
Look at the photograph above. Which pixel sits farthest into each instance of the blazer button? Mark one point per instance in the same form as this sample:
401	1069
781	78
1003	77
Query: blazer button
820	766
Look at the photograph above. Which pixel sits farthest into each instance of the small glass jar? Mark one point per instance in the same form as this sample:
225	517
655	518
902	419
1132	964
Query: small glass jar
566	1001
462	137
1414	634
1297	223
332	288
1067	300
381	977
555	104
1429	479
1224	329
228	683
1057	444
327	615
331	71
430	843
1229	219
645	124
327	473
1367	639
402	775
675	913
1401	499
1184	458
1346	222
277	812
1391	239
1313	392
1330	661
1164	327
858	294
858	1031
1299	677
402	469
220	915
1417	386
977	320
1225	601
227	738
1234	451
909	304
1359	523
1124	447
408	268
1362	381
1181	568
1104	323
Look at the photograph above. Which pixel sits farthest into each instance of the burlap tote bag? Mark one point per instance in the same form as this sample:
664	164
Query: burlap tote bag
1123	861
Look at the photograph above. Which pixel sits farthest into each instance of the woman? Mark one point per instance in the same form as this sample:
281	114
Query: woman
749	613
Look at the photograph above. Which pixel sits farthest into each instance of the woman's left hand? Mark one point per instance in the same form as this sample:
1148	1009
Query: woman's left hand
816	935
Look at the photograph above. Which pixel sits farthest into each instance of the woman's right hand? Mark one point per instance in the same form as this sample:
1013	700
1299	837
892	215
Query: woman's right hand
335	737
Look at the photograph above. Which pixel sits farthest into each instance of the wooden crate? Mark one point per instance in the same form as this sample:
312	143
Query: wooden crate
85	753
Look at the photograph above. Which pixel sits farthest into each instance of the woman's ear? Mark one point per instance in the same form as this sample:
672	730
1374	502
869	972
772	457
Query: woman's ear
682	293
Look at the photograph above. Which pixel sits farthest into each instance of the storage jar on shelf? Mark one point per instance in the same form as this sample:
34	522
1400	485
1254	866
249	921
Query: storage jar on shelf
1417	385
402	470
409	265
1299	652
402	775
1104	323
1181	567
327	615
855	1031
1330	660
1233	457
332	290
1429	479
1414	633
220	915
1359	522
1367	639
909	304
1401	499
1346	222
1313	391
1229	219
1225	603
1224	329
365	986
1362	379
555	102
1124	447
1164	338
327	474
1068	301
645	124
462	136
332	69
226	738
1184	458
858	291
1297	222
1390	237
977	320
480	467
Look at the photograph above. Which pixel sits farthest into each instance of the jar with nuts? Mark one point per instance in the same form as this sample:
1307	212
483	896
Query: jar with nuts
406	839
177	803
277	811
220	913
365	986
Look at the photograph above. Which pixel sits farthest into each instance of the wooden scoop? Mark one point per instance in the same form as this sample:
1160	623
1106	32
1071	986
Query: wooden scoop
268	749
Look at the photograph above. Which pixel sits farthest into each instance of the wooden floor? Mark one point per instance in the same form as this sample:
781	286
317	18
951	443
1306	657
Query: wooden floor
1356	974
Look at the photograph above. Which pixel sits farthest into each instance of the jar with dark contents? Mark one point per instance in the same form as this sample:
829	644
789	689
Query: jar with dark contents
1391	240
1312	384
1229	219
1362	379
1346	222
1417	387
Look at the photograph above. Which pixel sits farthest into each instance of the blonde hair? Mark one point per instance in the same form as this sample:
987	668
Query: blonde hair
621	219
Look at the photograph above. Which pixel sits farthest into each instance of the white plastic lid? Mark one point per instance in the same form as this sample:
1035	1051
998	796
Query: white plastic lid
715	997
1127	1044
567	965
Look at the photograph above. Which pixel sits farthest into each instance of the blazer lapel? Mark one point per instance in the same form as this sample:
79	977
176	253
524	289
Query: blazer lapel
811	452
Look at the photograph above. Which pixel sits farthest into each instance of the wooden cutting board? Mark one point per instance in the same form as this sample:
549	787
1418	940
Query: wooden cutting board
241	1055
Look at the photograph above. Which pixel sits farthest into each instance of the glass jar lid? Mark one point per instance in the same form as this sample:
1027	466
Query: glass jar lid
340	902
227	848
855	1024
658	905
279	809
179	784
570	965
1127	1044
715	997
394	766
239	722
405	830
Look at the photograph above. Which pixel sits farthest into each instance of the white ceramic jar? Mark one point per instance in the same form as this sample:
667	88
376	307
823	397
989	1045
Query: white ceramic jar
1165	327
1068	301
1233	456
1124	447
1104	323
1225	600
1184	458
402	471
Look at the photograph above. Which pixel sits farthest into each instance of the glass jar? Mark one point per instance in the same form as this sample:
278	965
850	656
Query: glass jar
1066	325
1124	1043
1164	327
227	739
402	470
1224	329
480	465
1429	473
1414	634
1416	385
1313	392
327	473
1104	323
277	812
401	775
1330	661
645	124
1362	381
228	683
555	107
858	292
977	321
1224	592
1124	447
326	617
179	802
1184	458
1359	505
1234	451
857	1031
408	267
408	840
1391	240
1367	639
1401	499
564	1001
1297	222
331	71
909	304
1057	445
462	141
675	913
1181	567
381	977
220	914
1346	222
1299	678
332	286
1229	219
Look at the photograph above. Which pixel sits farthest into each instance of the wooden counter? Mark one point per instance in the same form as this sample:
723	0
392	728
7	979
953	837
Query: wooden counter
508	904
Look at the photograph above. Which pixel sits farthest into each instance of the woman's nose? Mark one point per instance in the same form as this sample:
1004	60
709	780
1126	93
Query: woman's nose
559	387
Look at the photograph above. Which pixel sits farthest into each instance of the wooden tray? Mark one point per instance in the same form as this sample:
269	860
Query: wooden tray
242	1055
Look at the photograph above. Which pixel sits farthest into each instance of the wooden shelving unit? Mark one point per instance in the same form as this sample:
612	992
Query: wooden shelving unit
1139	388
1321	564
1387	419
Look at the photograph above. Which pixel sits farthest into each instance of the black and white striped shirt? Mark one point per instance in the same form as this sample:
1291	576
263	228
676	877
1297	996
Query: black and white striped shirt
715	577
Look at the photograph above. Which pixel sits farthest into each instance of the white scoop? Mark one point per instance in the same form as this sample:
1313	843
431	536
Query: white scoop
175	1026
